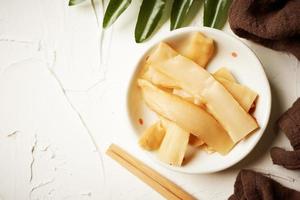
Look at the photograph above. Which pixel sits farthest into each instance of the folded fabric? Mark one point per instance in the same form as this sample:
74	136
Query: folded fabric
250	185
272	23
289	123
288	159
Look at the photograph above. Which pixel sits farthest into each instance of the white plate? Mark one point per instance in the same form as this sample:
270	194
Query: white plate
245	67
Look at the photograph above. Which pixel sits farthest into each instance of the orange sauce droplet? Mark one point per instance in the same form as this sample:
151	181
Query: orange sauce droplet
234	54
141	122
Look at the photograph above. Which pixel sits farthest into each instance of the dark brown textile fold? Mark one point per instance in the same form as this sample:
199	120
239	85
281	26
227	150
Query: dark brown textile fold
288	159
250	185
272	23
289	123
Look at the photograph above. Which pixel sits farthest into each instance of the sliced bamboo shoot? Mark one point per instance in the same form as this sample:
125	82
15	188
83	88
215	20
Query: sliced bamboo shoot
219	102
161	53
190	117
198	143
198	48
158	78
195	141
174	144
224	73
242	94
183	94
152	137
186	96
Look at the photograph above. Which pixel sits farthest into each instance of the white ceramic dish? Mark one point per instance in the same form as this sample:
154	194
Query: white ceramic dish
245	67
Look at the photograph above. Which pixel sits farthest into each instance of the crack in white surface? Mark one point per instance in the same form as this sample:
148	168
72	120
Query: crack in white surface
18	41
40	185
53	57
33	150
3	69
81	120
83	194
89	88
46	148
105	69
14	133
89	194
50	59
50	55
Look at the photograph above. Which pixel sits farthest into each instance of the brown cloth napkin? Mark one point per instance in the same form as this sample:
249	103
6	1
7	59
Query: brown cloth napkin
250	185
272	23
289	123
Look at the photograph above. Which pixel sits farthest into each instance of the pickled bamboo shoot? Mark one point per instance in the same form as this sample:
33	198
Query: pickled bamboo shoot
219	102
224	73
152	137
188	116
198	48
174	144
242	94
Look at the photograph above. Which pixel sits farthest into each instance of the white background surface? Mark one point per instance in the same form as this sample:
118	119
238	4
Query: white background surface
63	101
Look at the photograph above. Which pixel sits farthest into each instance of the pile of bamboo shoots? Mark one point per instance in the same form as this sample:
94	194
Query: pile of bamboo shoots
195	107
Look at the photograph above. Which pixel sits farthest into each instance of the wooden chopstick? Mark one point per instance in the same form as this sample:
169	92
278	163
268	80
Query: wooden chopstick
159	183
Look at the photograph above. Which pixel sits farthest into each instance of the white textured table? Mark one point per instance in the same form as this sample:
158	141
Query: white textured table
62	102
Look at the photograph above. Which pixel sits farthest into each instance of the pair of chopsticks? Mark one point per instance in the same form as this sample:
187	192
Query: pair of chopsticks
159	183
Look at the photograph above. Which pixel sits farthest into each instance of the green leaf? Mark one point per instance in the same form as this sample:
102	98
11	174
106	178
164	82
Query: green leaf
222	14
114	9
180	10
209	11
215	13
74	2
149	16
